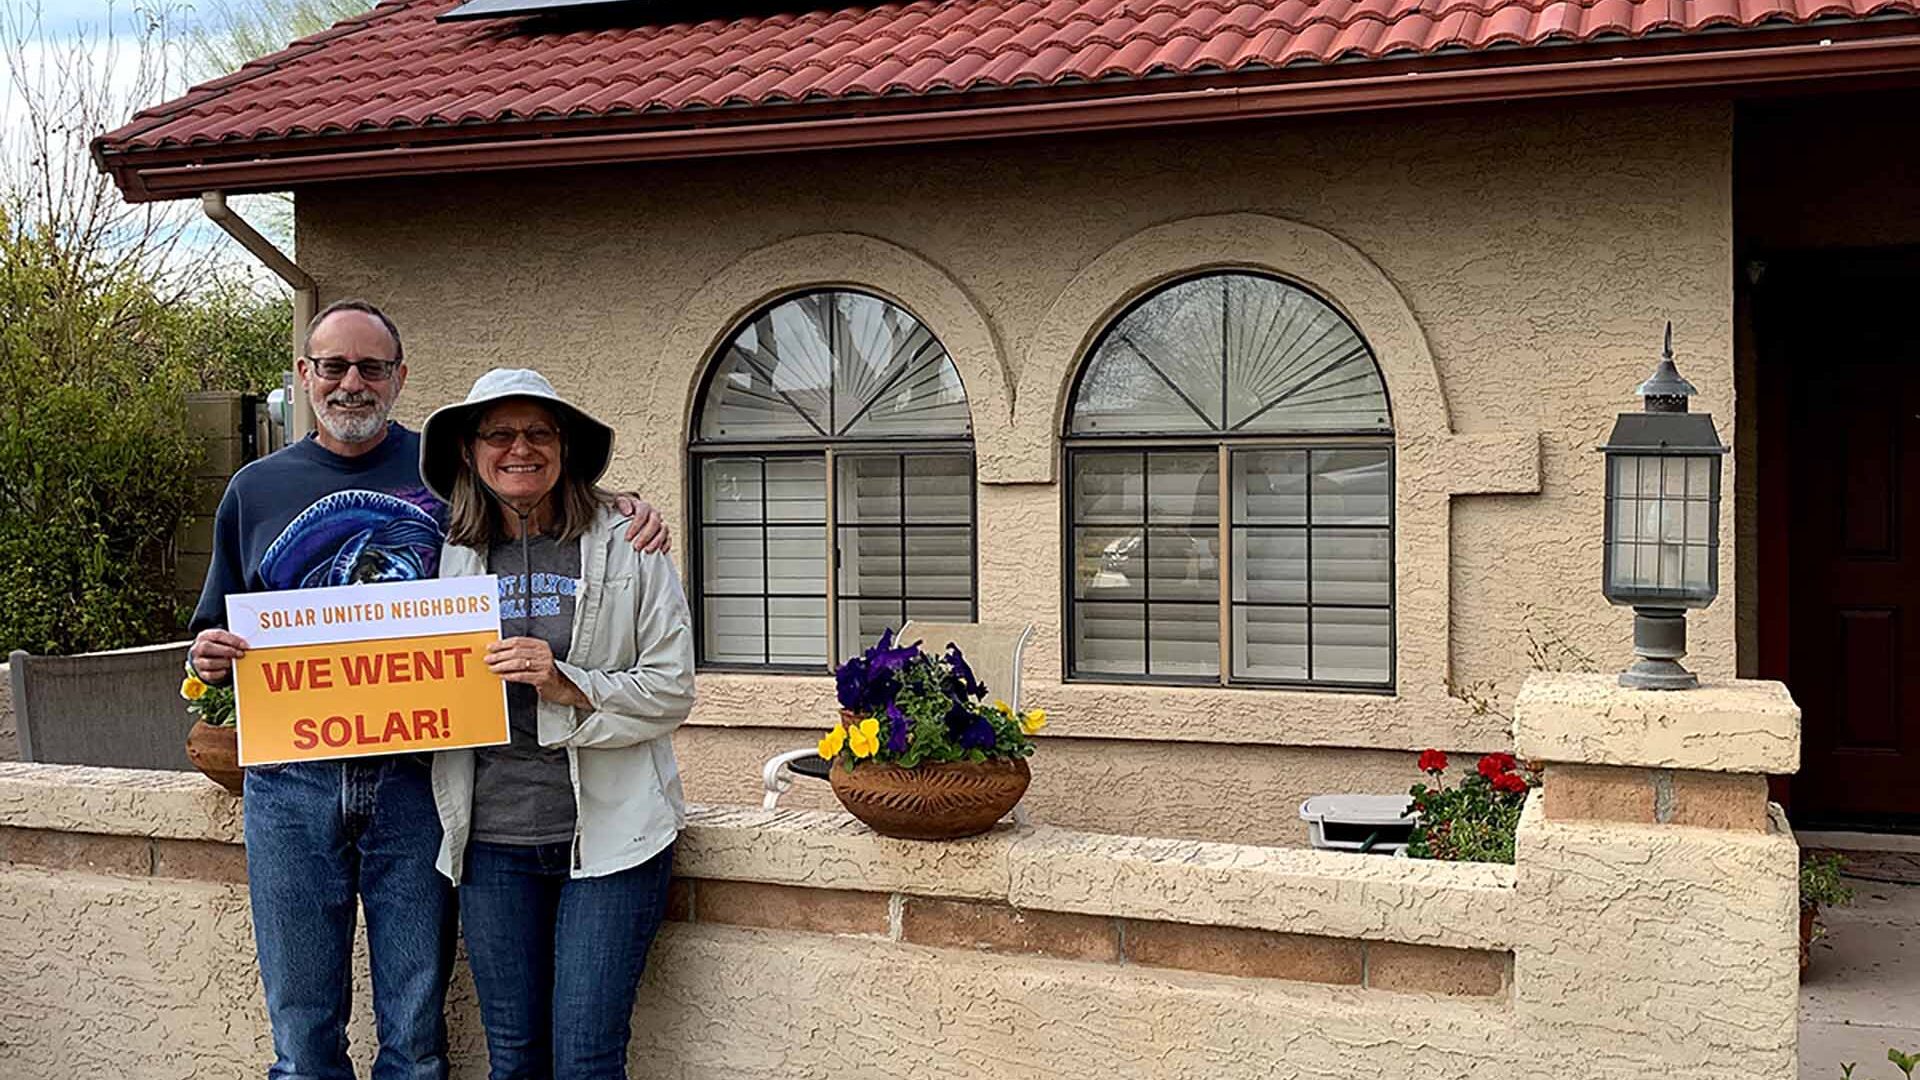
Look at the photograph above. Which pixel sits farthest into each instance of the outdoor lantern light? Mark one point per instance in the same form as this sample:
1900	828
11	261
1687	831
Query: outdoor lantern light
1662	547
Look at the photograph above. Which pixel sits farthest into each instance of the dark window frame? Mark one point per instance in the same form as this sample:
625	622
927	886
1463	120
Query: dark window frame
1074	445
829	449
1070	603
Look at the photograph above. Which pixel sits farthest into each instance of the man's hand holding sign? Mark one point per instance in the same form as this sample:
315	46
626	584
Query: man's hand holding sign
376	669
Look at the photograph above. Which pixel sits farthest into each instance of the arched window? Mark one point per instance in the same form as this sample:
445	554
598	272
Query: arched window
833	464
1230	493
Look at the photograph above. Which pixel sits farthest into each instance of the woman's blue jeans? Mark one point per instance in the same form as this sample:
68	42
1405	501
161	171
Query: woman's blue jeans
557	959
321	836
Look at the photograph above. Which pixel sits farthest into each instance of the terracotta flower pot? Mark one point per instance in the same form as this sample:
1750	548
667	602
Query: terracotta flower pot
931	802
215	751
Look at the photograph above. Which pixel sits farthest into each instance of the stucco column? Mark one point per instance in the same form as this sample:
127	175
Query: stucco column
1659	885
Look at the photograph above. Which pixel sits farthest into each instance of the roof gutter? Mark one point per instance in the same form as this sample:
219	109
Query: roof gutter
1800	60
306	295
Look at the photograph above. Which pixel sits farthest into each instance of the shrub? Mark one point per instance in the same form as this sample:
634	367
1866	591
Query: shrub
109	313
96	463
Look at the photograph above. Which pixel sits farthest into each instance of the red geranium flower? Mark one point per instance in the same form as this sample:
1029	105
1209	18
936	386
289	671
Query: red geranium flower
1494	764
1510	781
1433	761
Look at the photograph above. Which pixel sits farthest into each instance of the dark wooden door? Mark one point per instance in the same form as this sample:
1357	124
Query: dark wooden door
1845	332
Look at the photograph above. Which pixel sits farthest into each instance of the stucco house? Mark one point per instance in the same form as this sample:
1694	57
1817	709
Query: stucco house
1255	352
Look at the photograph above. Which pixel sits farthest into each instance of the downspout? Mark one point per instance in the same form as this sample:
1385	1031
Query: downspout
306	296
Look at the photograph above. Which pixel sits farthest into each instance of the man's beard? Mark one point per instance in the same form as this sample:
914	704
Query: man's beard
353	427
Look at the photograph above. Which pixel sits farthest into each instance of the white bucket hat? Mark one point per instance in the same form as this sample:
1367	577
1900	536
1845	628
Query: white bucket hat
589	443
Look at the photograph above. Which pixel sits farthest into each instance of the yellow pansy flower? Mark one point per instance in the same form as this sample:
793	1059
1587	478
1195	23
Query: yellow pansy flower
865	738
1004	708
1033	721
832	741
192	688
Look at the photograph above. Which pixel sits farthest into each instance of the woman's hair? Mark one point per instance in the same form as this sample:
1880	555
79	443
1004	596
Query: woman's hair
475	518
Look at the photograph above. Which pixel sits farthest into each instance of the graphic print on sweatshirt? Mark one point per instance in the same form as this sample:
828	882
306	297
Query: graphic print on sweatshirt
547	596
357	536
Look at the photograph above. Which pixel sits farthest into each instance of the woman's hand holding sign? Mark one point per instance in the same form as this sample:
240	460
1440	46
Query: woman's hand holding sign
530	660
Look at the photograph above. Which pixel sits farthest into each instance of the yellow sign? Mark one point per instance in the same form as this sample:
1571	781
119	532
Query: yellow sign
367	669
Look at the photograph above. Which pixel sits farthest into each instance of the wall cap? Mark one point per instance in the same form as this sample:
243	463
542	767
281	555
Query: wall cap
1292	890
117	802
1737	726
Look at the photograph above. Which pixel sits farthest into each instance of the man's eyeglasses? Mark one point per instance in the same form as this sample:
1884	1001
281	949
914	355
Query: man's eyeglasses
334	368
502	438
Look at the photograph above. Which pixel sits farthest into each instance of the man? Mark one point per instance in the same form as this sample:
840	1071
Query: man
344	506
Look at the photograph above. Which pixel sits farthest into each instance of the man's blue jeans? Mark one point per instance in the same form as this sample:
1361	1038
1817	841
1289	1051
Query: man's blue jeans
557	959
320	835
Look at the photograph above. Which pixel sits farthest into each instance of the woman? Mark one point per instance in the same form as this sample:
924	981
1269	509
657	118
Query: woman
562	841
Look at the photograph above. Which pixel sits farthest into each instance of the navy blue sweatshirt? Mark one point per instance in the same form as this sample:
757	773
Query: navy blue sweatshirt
305	517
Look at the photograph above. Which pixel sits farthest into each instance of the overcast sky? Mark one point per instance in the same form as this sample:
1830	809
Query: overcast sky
65	16
63	22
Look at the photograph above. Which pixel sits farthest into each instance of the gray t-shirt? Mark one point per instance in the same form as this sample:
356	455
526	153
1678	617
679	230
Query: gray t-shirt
523	792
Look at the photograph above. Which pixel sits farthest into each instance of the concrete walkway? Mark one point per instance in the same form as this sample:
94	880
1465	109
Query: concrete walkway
1862	994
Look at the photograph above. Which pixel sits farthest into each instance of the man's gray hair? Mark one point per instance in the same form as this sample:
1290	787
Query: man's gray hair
363	308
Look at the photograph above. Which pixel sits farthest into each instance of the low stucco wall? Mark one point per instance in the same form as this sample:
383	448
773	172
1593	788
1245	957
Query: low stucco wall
804	946
1510	267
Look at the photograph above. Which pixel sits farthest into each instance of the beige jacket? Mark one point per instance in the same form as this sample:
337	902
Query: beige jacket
632	655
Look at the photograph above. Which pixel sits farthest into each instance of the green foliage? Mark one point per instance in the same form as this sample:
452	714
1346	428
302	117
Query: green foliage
96	462
924	699
1820	883
230	337
1473	821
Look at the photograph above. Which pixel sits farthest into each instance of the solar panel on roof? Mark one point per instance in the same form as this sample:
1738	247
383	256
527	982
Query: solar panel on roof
500	9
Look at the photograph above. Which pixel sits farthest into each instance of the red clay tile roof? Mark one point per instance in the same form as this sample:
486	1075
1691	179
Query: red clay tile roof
396	70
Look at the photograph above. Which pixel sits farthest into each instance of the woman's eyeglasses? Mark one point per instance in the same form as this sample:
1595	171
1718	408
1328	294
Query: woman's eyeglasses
502	438
334	368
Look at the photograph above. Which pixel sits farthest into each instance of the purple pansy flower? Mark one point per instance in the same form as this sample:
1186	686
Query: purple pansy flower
978	735
866	684
896	730
884	656
962	684
851	683
968	728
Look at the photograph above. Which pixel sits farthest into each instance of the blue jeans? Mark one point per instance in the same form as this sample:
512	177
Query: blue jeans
557	959
320	835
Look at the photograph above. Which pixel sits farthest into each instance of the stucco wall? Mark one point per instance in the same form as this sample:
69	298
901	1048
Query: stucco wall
1511	269
1632	938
